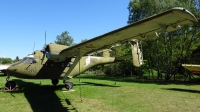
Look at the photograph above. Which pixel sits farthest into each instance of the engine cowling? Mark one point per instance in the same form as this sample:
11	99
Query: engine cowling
52	51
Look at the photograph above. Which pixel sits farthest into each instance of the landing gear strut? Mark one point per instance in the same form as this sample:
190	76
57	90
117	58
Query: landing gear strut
10	85
68	85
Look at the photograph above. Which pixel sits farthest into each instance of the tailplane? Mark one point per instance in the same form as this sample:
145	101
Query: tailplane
106	53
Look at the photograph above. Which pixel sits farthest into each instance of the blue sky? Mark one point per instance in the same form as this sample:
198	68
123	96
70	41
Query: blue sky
24	22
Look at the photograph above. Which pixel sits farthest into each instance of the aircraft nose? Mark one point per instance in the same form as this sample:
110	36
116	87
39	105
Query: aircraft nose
11	70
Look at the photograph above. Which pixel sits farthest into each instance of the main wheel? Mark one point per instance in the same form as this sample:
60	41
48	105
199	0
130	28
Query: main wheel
54	81
68	85
10	85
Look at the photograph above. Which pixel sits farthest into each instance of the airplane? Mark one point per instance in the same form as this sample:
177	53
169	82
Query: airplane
194	68
60	62
3	68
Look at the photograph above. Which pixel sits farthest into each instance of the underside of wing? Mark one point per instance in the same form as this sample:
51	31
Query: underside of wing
145	29
192	67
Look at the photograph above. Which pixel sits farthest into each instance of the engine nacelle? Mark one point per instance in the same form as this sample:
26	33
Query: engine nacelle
52	51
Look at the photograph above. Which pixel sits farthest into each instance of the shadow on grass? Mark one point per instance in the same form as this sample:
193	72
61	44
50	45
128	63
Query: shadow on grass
145	81
42	98
183	90
2	75
98	84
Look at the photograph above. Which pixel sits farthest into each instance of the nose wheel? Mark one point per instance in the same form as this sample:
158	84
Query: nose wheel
10	85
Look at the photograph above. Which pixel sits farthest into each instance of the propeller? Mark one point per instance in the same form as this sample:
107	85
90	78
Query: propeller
44	54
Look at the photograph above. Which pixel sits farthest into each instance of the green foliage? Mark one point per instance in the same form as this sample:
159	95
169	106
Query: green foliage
170	49
5	60
16	59
84	40
64	39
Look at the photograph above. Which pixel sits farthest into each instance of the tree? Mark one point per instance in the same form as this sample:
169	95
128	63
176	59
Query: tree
64	39
84	40
5	60
169	48
16	59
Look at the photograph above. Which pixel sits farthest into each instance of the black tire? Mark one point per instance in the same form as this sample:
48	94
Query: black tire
67	86
10	85
71	85
54	82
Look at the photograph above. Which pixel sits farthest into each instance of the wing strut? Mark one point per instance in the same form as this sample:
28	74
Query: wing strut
77	59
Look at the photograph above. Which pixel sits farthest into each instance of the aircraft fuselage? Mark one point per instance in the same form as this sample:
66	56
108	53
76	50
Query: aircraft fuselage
35	67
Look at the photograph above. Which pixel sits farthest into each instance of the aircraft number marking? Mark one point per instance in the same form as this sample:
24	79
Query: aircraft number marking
31	69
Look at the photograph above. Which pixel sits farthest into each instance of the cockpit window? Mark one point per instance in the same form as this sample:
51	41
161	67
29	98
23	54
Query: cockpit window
30	60
23	60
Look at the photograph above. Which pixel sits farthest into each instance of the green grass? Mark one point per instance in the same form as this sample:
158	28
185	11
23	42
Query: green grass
100	94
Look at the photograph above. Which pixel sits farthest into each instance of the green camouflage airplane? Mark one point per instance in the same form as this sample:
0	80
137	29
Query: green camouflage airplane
59	62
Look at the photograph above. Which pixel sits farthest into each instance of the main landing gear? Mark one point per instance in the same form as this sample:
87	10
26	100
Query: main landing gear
68	85
10	85
54	81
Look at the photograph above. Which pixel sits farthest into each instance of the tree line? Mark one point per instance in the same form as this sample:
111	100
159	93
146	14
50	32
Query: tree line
4	60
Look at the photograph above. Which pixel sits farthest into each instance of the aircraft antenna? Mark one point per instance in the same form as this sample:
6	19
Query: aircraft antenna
33	46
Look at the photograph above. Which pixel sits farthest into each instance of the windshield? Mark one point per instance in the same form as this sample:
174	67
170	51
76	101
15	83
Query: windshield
28	60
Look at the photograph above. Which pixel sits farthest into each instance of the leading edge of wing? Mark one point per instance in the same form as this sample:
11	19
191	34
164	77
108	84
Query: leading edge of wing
141	30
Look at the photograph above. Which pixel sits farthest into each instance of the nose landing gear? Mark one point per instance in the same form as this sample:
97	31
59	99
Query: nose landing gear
10	85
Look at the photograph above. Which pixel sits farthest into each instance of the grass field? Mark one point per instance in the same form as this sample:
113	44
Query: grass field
101	94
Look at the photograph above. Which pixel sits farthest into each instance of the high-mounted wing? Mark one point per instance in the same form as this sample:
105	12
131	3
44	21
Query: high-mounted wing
169	20
141	30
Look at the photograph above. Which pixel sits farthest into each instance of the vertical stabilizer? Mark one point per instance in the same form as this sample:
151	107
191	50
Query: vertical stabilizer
106	53
136	53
